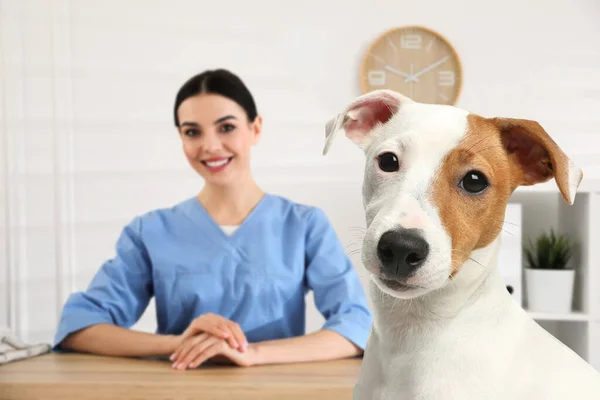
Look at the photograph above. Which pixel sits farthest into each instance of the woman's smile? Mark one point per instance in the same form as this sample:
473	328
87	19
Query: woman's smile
217	164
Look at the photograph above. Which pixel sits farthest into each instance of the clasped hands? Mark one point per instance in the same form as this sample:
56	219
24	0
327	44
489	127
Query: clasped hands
215	338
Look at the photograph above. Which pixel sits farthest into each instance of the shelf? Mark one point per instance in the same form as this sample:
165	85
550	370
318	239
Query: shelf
589	184
573	316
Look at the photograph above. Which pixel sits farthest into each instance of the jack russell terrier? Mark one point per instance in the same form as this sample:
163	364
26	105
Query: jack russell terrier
436	184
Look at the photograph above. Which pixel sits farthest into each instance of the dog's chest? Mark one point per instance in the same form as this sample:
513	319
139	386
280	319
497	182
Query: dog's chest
429	375
459	364
515	360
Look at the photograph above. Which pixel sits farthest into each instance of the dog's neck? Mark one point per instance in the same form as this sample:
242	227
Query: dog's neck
476	285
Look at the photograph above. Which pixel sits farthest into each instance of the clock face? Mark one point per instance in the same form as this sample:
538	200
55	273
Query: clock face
416	62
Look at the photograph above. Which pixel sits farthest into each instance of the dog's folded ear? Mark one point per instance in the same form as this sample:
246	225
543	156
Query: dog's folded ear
362	116
536	158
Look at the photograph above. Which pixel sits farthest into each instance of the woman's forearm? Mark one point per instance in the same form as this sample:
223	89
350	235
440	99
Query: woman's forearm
111	340
318	346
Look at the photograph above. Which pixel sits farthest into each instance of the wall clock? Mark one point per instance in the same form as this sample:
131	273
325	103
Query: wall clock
414	61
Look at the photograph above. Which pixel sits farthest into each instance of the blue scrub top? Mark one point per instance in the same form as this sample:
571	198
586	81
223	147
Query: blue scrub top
258	277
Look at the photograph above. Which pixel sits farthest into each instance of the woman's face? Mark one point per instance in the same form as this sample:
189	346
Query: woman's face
217	137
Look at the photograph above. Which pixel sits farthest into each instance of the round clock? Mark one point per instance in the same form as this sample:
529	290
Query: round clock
414	61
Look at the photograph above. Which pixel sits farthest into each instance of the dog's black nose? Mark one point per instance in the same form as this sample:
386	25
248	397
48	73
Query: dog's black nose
402	251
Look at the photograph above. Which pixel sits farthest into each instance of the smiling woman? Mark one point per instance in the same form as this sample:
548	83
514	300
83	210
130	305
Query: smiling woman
218	123
229	267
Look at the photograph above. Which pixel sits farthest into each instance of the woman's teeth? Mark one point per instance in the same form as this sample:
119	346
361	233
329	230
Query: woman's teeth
218	163
215	164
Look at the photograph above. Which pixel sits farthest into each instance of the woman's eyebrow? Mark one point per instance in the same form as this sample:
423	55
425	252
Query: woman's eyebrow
225	118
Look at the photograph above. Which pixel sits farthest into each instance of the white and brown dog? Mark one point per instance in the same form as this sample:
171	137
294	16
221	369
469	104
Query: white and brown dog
437	181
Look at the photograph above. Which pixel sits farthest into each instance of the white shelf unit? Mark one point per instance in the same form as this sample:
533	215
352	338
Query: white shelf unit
579	329
573	316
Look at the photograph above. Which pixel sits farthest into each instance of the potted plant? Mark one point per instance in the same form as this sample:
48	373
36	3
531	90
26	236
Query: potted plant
548	277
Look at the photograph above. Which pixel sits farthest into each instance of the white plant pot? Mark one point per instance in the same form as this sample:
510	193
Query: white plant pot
549	290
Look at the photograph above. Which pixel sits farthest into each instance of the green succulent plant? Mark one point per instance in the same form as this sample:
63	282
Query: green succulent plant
549	251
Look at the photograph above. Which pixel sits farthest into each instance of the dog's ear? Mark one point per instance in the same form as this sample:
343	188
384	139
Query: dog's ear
361	117
536	158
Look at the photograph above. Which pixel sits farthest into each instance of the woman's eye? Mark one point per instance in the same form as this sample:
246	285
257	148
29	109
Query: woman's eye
191	132
227	127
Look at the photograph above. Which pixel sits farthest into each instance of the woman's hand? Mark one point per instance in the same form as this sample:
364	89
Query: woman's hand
196	350
219	327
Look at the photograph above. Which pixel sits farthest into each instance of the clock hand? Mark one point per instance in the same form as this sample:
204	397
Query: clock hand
429	68
397	72
412	87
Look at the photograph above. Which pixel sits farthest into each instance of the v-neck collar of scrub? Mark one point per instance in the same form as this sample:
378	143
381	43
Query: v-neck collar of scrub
200	215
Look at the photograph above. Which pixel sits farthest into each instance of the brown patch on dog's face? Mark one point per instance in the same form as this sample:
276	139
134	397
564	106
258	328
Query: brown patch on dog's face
473	218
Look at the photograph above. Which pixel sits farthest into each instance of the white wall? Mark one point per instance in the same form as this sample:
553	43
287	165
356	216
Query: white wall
86	97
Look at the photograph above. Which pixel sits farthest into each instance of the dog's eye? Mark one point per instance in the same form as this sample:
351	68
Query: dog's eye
388	162
474	182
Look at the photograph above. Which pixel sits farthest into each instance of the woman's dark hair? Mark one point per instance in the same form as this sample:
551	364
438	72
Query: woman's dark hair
219	81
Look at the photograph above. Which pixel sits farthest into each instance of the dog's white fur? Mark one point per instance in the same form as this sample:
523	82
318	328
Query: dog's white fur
463	338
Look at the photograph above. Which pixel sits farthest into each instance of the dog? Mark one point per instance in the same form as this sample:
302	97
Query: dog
436	183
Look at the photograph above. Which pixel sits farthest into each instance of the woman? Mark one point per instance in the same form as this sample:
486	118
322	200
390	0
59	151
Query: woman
229	268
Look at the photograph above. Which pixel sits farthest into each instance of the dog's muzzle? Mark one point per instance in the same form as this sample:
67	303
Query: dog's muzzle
401	252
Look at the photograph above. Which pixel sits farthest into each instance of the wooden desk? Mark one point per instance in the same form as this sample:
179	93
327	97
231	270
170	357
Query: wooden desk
87	377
